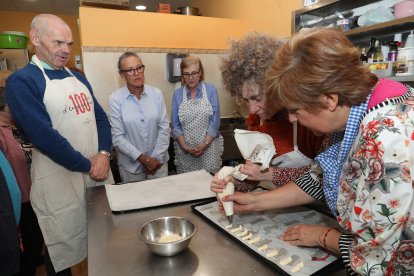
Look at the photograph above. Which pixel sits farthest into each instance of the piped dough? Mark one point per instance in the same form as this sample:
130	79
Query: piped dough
228	226
243	233
272	253
253	241
263	247
247	237
298	267
234	230
286	261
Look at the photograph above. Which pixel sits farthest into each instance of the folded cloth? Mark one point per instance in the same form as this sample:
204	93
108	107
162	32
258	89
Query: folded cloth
255	146
161	191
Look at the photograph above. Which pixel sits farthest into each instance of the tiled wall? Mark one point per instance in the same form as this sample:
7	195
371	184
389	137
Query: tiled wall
100	67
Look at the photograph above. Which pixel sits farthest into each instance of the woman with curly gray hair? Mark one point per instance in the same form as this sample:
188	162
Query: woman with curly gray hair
243	71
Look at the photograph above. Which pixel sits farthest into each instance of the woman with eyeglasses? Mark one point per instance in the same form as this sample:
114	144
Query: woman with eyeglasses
195	121
140	128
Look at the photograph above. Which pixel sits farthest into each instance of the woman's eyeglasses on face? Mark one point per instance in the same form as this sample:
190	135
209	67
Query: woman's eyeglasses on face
191	75
131	72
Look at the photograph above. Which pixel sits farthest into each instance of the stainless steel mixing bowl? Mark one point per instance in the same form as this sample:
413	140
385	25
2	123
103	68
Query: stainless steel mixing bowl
154	229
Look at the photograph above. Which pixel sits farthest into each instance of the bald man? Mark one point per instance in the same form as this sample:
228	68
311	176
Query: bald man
57	112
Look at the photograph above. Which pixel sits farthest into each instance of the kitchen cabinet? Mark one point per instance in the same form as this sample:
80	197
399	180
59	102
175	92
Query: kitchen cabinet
323	14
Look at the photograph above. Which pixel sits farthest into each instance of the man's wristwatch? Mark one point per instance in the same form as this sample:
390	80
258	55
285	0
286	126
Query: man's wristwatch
105	152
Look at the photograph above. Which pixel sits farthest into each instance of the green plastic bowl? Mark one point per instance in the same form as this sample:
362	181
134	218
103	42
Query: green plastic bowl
13	40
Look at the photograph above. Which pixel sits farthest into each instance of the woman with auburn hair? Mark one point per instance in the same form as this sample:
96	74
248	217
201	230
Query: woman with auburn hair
366	175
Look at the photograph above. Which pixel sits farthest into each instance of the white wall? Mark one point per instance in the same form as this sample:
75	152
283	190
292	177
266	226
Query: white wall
101	71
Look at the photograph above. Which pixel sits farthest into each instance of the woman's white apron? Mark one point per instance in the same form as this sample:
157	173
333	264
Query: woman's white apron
195	116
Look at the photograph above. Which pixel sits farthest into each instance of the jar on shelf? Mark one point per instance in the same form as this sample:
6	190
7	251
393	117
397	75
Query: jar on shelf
405	62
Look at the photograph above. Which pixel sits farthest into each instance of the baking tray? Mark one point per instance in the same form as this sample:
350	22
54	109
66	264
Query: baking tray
269	225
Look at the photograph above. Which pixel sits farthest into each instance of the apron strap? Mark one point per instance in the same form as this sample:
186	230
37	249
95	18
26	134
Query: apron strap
37	62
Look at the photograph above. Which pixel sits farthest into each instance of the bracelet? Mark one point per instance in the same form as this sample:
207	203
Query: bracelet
207	143
324	236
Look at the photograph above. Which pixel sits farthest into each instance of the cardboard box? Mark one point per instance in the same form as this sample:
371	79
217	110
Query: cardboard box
110	4
164	8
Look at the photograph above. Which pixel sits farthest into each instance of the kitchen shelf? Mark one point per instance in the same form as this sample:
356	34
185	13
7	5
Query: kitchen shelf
326	8
325	11
402	79
381	30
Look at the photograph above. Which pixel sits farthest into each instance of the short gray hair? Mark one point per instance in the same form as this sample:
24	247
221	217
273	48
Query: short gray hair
125	56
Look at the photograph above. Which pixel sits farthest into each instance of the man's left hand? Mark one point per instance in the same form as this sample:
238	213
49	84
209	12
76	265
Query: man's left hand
100	170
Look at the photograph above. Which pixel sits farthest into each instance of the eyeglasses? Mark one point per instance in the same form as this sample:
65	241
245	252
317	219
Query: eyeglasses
191	75
131	72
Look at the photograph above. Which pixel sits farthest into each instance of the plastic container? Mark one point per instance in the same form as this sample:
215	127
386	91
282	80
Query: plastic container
410	41
405	62
381	69
13	40
404	9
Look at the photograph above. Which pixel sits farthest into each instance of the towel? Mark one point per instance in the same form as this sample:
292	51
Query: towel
254	146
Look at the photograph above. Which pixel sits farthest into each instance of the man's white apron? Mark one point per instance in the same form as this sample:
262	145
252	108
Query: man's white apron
58	195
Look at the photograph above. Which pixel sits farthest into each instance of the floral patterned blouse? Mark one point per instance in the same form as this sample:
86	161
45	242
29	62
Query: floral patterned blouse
376	194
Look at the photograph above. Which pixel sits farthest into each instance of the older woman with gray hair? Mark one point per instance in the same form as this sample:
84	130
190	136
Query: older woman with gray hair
244	71
139	125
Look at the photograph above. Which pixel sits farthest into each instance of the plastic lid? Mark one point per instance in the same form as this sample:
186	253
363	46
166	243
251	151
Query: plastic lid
398	37
14	33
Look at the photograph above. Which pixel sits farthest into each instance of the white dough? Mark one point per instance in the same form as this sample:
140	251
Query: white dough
236	229
228	226
244	233
298	267
263	247
272	253
169	238
253	241
247	236
286	261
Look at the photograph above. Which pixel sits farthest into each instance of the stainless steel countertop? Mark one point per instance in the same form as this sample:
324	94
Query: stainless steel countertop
115	249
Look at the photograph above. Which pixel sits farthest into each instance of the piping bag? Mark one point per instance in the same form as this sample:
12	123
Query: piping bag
254	146
228	190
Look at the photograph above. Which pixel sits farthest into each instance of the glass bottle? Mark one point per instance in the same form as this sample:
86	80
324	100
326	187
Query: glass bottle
377	56
371	50
393	53
363	57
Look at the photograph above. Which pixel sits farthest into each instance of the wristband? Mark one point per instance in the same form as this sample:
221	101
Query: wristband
324	237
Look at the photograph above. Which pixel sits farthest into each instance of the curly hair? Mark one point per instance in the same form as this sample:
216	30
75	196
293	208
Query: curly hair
316	62
248	60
